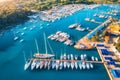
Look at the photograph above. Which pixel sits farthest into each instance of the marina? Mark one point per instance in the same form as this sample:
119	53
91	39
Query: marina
62	62
37	49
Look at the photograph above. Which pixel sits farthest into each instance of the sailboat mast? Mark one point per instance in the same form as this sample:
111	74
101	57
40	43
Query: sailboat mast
24	56
50	47
46	51
37	46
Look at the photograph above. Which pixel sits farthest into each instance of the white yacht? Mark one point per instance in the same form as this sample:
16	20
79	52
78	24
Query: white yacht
87	66
27	64
37	64
85	55
80	65
91	65
92	58
82	57
53	65
49	65
76	57
87	19
57	65
65	64
92	20
72	65
73	25
71	55
83	65
22	33
65	56
21	40
41	64
95	15
76	65
68	57
24	28
16	38
61	65
79	28
33	64
68	65
31	28
45	65
96	59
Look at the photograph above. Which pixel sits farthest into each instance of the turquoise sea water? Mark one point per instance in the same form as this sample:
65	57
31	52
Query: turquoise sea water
11	52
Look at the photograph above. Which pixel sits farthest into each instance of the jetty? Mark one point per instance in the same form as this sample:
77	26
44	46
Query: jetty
98	62
108	61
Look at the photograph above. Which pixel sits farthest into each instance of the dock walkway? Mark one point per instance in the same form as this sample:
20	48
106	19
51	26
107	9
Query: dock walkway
99	62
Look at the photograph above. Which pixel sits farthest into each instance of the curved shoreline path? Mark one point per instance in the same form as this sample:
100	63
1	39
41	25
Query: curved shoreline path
63	11
88	44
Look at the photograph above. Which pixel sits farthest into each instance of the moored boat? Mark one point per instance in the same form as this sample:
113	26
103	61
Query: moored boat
27	64
72	65
33	64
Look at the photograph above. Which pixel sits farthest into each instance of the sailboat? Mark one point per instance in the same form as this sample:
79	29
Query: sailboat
49	65
96	59
27	63
71	55
76	65
37	64
68	57
83	65
92	58
41	64
45	65
68	65
76	57
15	37
91	65
53	64
61	65
64	56
39	55
72	65
82	57
65	64
80	66
57	65
87	65
21	40
33	64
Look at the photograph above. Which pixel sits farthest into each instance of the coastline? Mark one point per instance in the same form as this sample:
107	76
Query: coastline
59	12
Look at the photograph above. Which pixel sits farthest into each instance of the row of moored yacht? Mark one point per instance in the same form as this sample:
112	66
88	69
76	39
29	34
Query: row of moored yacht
58	64
65	62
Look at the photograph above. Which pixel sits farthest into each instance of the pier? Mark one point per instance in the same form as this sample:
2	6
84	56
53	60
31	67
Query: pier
101	56
99	62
